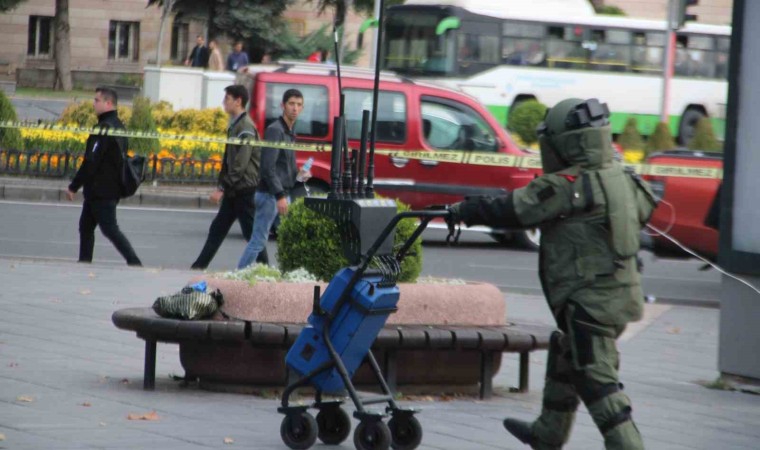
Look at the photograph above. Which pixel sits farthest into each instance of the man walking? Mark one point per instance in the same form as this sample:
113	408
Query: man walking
100	174
237	179
215	60
278	176
590	211
199	55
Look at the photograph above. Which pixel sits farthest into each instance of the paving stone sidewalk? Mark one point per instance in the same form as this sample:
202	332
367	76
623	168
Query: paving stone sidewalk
69	379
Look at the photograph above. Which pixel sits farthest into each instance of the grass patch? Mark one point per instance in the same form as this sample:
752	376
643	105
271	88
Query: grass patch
718	384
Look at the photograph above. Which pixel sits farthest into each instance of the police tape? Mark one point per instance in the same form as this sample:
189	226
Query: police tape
440	156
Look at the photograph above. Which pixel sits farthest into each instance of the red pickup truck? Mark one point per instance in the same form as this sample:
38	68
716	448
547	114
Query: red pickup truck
685	204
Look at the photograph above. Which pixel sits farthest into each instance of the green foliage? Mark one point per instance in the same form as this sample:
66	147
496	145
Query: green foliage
661	139
704	137
610	10
7	5
366	7
311	241
163	113
631	139
210	121
524	119
10	138
294	47
130	79
142	120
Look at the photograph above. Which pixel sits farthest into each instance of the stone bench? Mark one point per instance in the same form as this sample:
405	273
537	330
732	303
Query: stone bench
435	348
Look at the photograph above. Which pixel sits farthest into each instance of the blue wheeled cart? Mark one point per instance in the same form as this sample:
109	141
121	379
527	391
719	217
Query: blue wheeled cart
344	323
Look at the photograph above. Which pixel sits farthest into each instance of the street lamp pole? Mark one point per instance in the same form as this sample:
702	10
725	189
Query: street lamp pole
667	69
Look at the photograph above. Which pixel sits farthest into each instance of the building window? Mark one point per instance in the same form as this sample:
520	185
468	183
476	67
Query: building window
40	37
124	41
180	38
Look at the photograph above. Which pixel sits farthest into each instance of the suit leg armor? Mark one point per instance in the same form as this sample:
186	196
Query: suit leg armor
552	428
596	361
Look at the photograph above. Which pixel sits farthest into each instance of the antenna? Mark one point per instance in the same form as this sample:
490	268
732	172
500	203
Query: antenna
370	190
362	154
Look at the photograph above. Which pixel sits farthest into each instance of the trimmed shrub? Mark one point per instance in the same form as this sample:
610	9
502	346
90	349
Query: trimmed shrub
10	138
660	140
210	121
704	137
630	138
609	10
525	118
311	241
142	120
163	113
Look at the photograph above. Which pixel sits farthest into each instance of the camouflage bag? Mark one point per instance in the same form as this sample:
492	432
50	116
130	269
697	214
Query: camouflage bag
188	304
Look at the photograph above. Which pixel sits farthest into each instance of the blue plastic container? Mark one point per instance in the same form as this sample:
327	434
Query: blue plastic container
352	332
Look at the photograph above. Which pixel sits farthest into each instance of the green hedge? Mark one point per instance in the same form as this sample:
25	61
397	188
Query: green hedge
311	241
525	118
10	138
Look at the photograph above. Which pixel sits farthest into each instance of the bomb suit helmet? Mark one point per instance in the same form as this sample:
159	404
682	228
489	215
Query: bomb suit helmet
575	132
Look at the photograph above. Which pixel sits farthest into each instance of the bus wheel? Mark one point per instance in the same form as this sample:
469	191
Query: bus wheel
688	125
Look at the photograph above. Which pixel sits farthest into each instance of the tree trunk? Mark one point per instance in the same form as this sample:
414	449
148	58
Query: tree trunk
62	46
167	7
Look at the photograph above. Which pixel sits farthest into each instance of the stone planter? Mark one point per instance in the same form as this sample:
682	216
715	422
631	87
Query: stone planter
240	365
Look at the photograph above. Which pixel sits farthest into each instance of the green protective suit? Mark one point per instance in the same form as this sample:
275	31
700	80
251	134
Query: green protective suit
590	211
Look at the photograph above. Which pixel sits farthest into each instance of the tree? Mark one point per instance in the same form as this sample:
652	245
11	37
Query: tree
10	138
525	118
7	5
62	46
142	120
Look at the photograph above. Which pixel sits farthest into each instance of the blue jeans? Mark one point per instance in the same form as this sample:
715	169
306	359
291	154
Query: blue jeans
266	211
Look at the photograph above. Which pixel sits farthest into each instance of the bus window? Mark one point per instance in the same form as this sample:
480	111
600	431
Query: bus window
723	46
695	56
565	47
522	44
391	114
449	126
647	52
476	52
610	50
412	45
313	119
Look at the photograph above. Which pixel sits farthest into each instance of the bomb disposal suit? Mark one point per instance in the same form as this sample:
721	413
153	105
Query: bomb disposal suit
590	210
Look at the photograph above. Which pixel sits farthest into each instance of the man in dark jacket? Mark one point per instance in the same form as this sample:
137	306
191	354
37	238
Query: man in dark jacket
237	179
100	174
198	57
278	176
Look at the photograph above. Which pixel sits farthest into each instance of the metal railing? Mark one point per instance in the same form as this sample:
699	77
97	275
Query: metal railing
64	165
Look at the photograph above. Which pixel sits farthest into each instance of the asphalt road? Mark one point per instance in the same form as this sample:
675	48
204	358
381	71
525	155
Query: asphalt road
173	238
39	109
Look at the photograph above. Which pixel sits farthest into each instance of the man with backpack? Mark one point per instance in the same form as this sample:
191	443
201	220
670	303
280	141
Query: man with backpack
101	176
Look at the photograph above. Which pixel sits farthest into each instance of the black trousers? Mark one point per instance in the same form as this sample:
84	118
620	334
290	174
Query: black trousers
240	207
102	213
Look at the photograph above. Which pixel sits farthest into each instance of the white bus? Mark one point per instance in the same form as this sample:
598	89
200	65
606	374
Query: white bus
504	56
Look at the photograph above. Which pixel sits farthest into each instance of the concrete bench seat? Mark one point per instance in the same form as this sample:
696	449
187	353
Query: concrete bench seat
397	347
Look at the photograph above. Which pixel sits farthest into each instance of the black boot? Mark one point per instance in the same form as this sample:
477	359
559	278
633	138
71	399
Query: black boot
519	429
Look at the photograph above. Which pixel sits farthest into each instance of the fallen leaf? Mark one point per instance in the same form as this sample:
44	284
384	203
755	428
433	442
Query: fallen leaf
87	404
91	275
13	364
229	440
25	399
674	330
124	381
152	416
2	437
102	424
85	292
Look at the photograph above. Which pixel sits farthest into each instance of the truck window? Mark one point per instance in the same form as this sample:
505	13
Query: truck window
313	120
391	114
448	125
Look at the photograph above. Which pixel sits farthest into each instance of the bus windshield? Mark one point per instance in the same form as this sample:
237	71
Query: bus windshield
413	47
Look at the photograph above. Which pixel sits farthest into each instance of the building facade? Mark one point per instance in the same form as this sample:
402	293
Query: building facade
112	40
716	12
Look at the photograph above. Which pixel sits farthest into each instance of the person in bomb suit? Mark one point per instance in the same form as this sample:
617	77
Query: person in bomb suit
590	210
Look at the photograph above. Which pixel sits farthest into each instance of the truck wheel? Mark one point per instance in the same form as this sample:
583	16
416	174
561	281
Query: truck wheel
688	125
529	239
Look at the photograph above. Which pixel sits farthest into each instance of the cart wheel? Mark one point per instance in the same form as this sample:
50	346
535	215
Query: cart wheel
406	432
299	431
334	425
372	435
